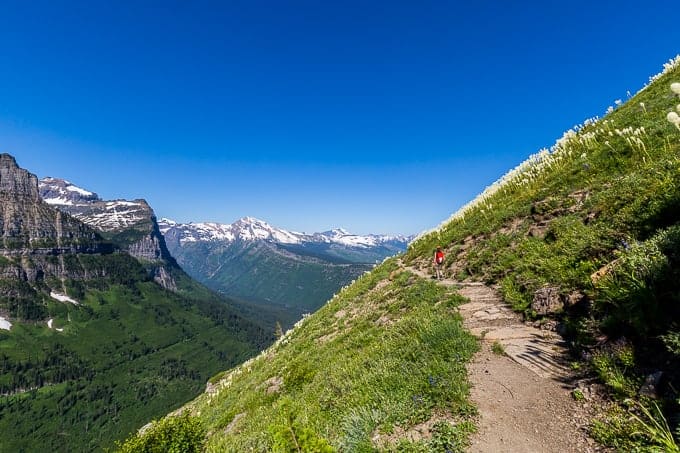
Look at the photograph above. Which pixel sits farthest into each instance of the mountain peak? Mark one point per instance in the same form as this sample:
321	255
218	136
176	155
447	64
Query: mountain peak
7	160
15	181
56	191
338	232
248	220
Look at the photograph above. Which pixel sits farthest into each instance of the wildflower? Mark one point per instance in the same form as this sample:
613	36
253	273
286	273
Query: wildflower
642	106
618	102
610	109
667	67
675	87
673	118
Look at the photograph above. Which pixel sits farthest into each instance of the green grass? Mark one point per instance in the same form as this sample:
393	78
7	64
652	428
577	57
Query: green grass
381	356
497	348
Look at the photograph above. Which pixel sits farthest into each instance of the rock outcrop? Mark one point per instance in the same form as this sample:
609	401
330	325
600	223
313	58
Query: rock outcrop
29	226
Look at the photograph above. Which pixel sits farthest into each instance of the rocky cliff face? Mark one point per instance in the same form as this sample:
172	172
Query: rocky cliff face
131	225
17	182
41	247
29	226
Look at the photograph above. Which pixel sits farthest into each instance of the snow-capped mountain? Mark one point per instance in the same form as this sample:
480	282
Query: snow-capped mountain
129	224
255	261
86	206
57	191
245	229
252	229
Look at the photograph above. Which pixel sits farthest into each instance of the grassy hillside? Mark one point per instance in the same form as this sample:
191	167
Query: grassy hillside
388	352
132	351
596	218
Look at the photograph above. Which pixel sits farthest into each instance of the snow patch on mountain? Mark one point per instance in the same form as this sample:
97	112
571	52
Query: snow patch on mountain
115	215
5	324
50	325
59	201
63	298
87	207
57	191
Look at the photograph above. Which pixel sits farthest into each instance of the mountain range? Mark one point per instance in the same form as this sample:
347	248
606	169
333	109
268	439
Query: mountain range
277	275
99	328
293	272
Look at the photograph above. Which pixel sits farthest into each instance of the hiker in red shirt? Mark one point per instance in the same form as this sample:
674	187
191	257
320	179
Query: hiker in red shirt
438	262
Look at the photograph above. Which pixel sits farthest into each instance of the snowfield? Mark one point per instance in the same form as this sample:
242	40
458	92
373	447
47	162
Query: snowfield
50	324
63	298
72	188
58	201
5	324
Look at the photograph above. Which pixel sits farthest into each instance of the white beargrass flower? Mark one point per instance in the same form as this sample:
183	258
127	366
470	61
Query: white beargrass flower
667	67
534	166
618	102
674	119
675	87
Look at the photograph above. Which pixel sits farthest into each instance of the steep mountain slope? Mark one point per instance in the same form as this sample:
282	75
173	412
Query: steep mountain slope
129	224
587	233
90	345
251	260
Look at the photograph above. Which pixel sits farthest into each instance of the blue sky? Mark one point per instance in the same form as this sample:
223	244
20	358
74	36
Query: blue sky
374	116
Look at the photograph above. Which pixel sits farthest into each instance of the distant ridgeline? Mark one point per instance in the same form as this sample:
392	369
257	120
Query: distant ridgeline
586	233
99	328
290	273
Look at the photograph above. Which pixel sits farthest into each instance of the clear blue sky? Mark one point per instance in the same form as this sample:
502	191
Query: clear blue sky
377	116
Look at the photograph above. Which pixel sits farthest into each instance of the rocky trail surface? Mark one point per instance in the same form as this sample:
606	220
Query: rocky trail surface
523	393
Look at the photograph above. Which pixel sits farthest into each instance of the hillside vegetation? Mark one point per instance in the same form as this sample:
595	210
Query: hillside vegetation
130	352
595	219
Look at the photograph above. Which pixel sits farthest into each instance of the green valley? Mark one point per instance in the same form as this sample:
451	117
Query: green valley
282	274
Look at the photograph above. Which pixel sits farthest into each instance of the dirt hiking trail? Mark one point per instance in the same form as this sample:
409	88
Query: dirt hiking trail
524	394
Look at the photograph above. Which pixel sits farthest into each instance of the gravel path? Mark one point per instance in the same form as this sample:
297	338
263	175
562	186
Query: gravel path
523	395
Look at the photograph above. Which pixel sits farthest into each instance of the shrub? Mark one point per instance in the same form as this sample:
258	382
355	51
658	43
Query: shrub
290	436
182	434
639	297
